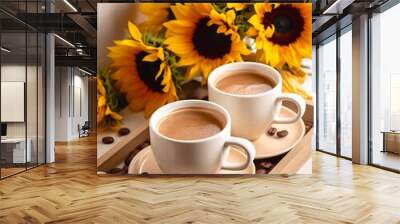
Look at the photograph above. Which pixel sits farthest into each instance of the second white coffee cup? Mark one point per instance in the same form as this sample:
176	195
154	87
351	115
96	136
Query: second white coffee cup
252	114
199	156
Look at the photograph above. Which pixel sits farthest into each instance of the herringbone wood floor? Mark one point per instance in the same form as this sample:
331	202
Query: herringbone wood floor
69	191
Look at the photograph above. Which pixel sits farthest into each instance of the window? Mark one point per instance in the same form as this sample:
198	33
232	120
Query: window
385	89
327	96
346	93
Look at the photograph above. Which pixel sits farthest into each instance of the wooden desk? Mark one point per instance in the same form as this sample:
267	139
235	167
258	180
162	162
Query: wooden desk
391	141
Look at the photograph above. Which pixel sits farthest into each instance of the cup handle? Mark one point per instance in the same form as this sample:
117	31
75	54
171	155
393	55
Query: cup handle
298	101
247	146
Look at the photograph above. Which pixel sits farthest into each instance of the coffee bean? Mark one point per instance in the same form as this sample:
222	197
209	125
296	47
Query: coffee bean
282	133
115	170
266	164
261	171
272	131
108	140
130	157
124	131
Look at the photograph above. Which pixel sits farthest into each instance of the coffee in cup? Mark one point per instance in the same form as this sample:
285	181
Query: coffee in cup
191	123
194	137
252	94
245	83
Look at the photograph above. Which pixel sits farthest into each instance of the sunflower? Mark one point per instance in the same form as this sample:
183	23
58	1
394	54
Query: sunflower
143	73
236	6
293	80
106	118
283	32
157	14
203	38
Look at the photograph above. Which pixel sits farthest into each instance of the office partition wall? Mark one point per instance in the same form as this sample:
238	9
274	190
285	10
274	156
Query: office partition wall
22	88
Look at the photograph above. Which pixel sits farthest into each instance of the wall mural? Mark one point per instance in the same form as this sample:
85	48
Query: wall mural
204	88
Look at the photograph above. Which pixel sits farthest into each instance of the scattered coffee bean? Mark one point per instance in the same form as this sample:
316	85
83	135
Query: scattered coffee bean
115	170
282	133
261	171
272	131
124	131
266	165
108	140
130	157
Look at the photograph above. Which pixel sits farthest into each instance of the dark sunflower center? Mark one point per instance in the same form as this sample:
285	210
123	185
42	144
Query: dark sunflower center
288	22
208	43
147	72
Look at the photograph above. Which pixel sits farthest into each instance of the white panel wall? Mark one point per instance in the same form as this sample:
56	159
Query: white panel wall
71	103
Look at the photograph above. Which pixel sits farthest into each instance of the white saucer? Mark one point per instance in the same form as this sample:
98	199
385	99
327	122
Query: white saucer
144	162
269	146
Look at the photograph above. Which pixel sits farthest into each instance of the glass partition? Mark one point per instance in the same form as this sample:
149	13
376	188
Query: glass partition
41	96
23	91
14	145
31	98
327	96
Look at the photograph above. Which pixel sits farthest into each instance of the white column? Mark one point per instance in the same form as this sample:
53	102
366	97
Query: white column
50	98
360	90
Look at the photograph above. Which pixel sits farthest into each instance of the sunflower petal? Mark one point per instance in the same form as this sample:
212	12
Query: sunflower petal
101	101
134	31
100	87
151	57
179	26
194	71
153	104
161	70
255	21
230	16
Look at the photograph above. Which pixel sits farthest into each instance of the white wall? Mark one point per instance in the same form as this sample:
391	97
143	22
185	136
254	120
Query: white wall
16	73
70	83
33	127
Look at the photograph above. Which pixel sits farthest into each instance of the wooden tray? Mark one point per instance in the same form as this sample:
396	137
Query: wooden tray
297	160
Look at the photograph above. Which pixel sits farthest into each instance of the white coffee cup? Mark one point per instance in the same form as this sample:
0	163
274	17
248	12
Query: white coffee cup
252	114
200	156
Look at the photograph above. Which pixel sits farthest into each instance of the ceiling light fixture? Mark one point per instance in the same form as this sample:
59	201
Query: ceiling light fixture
65	41
84	71
70	5
5	50
337	7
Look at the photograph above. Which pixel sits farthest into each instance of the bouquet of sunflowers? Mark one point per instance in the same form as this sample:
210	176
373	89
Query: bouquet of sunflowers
181	42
